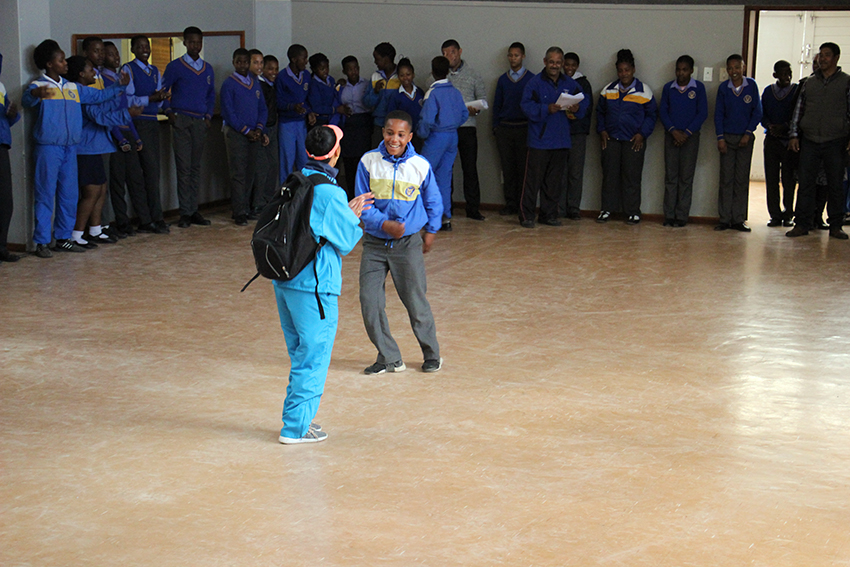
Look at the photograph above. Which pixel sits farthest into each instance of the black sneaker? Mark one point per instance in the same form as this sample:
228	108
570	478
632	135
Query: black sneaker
101	238
147	228
603	216
160	227
241	220
774	222
446	226
86	244
432	365
6	256
114	232
67	245
43	251
475	215
669	222
633	219
185	221
380	367
527	224
551	222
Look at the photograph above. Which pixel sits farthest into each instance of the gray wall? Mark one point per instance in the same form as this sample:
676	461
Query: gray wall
657	35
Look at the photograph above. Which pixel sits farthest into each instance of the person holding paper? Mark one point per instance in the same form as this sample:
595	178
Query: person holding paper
549	139
625	117
573	182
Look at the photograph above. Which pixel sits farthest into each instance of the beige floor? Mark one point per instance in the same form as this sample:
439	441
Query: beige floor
611	395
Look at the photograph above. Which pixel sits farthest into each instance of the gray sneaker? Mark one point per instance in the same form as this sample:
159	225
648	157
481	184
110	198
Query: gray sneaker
380	367
432	365
43	251
312	436
315	426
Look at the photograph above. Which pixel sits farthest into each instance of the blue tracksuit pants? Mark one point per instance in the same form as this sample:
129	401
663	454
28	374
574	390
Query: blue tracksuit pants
55	183
440	149
309	340
293	155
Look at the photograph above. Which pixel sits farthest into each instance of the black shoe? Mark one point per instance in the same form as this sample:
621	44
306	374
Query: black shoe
87	245
822	226
788	222
241	220
722	226
836	232
446	227
160	227
507	211
774	222
115	232
574	215
680	223
741	227
147	228
101	238
797	231
43	251
474	215
669	222
633	219
185	221
6	256
527	224
198	218
603	216
253	216
552	222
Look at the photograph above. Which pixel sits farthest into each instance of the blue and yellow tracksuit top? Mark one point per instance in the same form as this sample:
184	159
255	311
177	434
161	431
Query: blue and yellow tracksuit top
623	115
405	191
60	117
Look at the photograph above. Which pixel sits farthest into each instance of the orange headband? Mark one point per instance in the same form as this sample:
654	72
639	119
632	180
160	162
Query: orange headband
338	133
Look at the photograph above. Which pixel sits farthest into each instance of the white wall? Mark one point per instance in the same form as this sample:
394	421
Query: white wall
657	35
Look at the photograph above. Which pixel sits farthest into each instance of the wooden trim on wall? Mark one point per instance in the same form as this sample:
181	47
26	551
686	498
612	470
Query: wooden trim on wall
81	36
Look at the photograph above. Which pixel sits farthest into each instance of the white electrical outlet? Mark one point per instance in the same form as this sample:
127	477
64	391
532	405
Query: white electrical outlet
708	74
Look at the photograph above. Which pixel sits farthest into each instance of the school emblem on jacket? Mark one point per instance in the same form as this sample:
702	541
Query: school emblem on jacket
257	93
209	80
692	95
306	86
748	99
409	191
71	95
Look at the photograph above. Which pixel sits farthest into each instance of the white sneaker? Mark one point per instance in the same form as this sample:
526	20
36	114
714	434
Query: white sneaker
312	436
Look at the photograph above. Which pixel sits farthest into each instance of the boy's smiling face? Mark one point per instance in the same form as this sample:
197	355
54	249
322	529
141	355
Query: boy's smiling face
141	49
783	77
397	135
570	67
87	75
735	70
270	71
405	77
256	66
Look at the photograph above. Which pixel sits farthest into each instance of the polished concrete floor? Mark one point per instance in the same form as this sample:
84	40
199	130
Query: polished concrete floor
611	395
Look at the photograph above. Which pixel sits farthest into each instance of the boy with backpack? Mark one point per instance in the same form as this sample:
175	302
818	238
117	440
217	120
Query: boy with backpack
307	303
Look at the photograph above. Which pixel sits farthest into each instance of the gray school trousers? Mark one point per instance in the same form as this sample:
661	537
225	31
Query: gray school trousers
242	161
732	201
403	259
188	137
680	163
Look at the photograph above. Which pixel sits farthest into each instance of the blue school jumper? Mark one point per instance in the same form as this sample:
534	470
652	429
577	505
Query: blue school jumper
309	338
685	111
243	107
292	127
144	81
549	131
323	98
378	101
57	131
5	122
125	133
506	104
737	113
192	90
443	112
411	104
777	111
623	115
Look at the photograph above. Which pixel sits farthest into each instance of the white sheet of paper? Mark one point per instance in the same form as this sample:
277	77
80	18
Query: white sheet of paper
567	100
478	104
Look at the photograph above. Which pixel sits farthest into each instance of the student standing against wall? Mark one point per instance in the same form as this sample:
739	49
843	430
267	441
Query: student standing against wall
573	183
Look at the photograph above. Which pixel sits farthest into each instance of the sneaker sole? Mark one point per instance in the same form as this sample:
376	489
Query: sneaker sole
289	441
400	368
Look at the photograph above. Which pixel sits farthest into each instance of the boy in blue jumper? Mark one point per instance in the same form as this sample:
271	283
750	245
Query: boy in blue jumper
293	86
549	139
357	124
780	163
683	109
736	116
573	184
243	108
408	97
268	156
443	112
192	84
8	117
322	97
145	90
310	335
57	131
385	81
510	126
406	201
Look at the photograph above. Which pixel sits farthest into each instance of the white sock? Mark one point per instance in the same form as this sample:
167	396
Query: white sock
95	230
77	236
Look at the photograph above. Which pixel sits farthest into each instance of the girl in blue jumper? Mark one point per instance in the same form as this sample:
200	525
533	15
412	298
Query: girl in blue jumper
625	117
57	131
95	142
323	98
684	107
443	112
408	97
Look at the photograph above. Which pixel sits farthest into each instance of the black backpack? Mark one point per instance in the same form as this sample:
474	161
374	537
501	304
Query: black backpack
283	243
